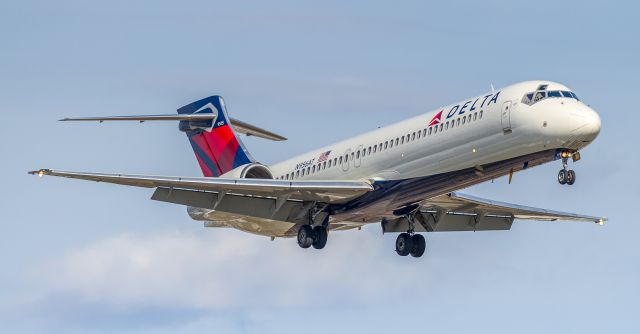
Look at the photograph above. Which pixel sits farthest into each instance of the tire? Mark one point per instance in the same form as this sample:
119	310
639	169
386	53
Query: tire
571	177
404	244
319	237
419	245
562	176
305	236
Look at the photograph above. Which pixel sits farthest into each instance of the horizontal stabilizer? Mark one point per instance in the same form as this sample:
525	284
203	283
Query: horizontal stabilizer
238	125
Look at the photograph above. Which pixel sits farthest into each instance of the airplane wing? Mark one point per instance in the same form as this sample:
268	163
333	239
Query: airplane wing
319	191
461	212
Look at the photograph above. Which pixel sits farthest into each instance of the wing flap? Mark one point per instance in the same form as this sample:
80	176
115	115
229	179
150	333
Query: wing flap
457	201
325	191
461	212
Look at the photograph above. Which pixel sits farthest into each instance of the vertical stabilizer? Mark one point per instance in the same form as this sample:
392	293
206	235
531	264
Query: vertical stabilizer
215	143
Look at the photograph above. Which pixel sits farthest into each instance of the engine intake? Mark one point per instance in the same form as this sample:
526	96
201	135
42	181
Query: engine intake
249	171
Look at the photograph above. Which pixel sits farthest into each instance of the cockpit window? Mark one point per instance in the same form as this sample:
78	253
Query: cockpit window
570	94
531	98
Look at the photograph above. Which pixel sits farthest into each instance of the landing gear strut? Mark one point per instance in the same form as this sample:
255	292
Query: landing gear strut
409	242
566	176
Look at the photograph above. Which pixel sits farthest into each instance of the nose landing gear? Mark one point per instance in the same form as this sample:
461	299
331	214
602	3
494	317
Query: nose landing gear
567	176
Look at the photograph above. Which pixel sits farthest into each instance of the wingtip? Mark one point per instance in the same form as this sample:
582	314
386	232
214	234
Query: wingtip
40	172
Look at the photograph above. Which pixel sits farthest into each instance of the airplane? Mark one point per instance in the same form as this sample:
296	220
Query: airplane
405	176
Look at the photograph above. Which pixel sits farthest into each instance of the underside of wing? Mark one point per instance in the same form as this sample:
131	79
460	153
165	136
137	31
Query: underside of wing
461	212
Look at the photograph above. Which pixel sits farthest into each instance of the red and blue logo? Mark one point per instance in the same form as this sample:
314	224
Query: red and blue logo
437	119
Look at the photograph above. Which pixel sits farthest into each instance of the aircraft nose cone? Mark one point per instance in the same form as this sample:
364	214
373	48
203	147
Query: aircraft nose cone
588	125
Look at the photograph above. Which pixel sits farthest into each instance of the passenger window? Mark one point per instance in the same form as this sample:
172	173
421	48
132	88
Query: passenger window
324	164
480	114
469	119
402	140
419	133
329	164
391	143
375	148
352	155
341	160
313	169
297	173
396	141
309	170
435	129
446	126
302	173
464	120
429	131
357	155
385	145
441	126
413	136
475	115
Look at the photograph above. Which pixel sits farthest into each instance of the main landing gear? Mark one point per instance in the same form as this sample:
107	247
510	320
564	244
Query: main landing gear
409	242
312	236
316	236
567	176
406	244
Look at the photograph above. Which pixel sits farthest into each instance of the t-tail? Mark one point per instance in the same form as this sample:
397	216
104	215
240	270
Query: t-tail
211	132
215	143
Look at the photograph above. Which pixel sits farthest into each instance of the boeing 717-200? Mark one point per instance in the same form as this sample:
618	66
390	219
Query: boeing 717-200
404	176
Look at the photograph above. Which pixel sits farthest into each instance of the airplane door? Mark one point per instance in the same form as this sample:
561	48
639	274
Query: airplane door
358	158
345	162
506	117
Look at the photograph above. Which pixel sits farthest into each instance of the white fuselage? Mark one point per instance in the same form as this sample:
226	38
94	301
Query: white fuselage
492	127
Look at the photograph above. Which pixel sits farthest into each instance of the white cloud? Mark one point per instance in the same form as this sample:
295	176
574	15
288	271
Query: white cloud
218	269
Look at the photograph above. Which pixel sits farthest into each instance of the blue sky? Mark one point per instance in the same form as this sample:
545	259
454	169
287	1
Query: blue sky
91	258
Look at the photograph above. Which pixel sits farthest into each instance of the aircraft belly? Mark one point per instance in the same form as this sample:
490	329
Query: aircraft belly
392	194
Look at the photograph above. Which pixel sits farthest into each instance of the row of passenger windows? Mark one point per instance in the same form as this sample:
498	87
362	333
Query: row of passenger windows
534	97
432	130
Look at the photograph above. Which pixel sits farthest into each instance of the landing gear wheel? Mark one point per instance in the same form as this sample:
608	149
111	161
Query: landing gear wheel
305	236
571	177
562	176
419	245
319	237
404	244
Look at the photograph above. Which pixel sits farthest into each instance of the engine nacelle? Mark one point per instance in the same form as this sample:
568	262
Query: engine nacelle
249	171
